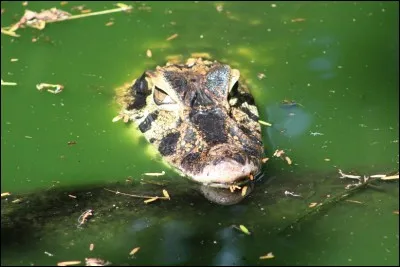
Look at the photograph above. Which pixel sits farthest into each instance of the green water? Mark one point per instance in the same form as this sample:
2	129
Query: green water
339	60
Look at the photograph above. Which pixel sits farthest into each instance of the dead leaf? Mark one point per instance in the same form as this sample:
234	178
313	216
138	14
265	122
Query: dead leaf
268	256
148	53
150	200
67	263
264	160
133	251
172	37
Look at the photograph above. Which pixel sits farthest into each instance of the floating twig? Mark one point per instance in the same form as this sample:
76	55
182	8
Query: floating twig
264	123
154	173
268	256
148	198
8	83
68	263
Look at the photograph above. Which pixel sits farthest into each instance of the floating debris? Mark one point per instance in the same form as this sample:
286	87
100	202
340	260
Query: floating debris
28	137
396	212
242	228
68	263
219	7
83	218
172	37
315	133
109	23
392	177
288	160
70	143
278	153
343	175
298	20
5	194
14	59
244	191
353	201
18	200
268	256
232	188
264	160
288	193
96	262
91	247
154	173
261	76
165	193
39	20
133	251
48	254
313	204
264	123
151	200
148	53
72	196
42	86
63	3
251	177
8	83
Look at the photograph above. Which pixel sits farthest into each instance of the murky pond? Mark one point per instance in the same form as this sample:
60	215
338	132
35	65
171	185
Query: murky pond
325	75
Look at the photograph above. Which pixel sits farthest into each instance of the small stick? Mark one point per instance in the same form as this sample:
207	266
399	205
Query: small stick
130	195
264	122
357	177
8	83
123	8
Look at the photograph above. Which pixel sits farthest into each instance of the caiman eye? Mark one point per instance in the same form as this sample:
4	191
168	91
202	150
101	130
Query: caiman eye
161	97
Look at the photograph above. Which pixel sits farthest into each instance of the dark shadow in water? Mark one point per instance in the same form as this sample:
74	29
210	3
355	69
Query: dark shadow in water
184	227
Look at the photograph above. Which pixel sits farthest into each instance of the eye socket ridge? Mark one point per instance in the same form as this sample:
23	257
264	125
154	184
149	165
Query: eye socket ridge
161	97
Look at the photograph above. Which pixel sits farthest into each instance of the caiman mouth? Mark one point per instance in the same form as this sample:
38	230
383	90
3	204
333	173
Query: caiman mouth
226	165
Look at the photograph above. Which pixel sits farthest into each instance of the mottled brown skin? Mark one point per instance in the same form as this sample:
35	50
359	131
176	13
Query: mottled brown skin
201	118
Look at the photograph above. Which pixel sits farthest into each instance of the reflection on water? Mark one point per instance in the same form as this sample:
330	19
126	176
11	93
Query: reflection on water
292	121
229	254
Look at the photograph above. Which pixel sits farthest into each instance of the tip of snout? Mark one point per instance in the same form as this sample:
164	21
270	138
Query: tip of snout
225	172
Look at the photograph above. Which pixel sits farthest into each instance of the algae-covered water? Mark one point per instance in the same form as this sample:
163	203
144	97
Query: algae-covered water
339	61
